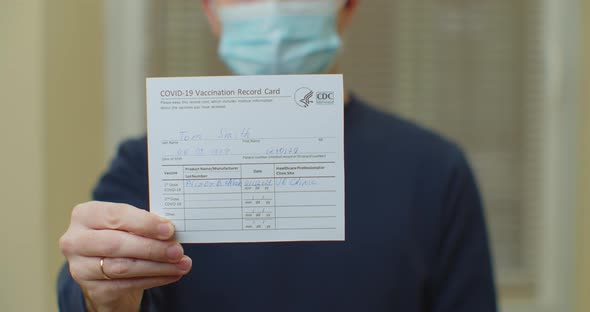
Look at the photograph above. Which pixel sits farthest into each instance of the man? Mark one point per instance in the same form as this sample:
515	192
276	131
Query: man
415	231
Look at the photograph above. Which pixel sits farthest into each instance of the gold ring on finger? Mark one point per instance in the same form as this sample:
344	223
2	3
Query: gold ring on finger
102	269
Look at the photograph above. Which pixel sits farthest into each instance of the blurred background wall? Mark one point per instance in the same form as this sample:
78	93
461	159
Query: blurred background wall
583	225
509	80
25	274
52	137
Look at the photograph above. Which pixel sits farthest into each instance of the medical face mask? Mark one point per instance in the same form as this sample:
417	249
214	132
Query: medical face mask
280	37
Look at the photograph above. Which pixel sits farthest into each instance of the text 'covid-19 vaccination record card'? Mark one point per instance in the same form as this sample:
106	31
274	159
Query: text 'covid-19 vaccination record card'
248	158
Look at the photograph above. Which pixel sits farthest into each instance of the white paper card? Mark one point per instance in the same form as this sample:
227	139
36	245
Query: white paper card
248	158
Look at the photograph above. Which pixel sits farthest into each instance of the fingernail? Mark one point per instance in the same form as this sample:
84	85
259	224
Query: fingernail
174	252
165	229
184	264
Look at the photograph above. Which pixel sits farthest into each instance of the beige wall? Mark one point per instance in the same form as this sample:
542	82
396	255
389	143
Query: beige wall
583	285
51	136
23	266
74	100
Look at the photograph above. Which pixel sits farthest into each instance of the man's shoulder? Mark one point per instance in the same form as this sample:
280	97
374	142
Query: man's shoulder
135	147
132	156
402	137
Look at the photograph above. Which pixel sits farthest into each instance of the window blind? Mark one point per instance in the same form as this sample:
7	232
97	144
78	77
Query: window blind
469	68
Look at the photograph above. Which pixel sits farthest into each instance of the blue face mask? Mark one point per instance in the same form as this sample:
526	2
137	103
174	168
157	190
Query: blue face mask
280	37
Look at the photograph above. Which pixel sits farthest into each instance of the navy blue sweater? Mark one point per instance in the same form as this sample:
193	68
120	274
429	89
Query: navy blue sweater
416	238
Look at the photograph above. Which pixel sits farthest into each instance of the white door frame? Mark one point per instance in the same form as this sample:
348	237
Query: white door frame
555	270
126	42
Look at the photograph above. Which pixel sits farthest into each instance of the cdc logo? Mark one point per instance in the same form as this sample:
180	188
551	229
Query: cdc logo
303	97
325	97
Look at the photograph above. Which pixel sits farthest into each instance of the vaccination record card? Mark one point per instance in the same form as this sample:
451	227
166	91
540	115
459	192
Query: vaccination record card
248	158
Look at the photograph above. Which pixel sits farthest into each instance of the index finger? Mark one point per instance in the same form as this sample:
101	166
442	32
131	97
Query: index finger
123	217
